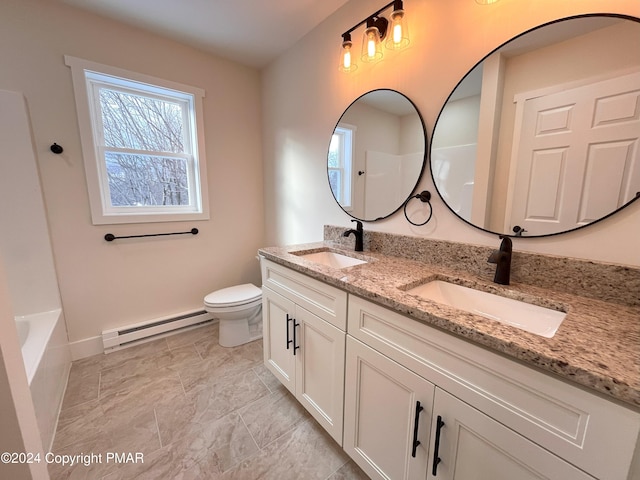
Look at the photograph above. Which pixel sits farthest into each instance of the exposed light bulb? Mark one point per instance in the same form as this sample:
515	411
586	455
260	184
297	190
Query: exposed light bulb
371	47
346	61
399	35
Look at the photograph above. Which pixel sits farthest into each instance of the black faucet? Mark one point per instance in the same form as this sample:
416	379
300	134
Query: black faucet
502	259
357	232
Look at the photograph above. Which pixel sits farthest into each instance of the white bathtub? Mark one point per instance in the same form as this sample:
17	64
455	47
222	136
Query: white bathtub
35	331
47	361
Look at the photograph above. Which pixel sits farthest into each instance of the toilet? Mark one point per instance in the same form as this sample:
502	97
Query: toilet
239	310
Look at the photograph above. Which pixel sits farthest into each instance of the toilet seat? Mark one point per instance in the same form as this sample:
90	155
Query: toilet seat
245	295
239	312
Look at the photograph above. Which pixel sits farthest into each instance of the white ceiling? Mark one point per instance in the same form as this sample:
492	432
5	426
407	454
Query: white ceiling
251	32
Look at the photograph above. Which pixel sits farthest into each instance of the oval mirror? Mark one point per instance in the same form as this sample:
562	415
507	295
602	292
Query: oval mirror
376	154
543	135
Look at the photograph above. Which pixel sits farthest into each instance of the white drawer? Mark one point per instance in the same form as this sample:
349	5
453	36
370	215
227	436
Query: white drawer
327	302
585	429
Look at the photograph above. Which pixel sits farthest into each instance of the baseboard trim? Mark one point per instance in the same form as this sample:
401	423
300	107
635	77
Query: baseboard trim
86	347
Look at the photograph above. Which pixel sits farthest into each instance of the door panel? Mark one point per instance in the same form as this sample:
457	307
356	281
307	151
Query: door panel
276	330
380	415
473	446
320	370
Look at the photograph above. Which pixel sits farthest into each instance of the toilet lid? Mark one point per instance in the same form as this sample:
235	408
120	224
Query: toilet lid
232	296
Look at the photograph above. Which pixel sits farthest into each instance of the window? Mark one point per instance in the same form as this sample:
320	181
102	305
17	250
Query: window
339	164
143	155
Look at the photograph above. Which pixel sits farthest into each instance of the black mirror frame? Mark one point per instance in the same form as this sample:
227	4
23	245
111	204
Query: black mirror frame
424	157
514	234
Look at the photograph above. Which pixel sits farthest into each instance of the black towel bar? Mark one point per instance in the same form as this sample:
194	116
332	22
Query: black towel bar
110	237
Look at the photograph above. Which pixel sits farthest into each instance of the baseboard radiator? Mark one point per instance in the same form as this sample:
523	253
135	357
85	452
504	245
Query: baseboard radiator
129	335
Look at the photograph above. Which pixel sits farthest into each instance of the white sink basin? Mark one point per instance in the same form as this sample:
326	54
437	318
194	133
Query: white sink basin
531	318
332	259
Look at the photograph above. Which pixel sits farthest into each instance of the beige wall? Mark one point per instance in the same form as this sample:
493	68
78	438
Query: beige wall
304	94
105	285
298	98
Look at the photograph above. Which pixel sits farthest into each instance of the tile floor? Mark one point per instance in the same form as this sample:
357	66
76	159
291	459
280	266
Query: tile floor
195	410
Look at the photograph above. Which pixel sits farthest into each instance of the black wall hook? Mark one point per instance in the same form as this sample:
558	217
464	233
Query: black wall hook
424	197
57	149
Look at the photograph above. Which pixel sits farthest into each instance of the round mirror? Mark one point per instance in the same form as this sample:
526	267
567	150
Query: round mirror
543	135
376	155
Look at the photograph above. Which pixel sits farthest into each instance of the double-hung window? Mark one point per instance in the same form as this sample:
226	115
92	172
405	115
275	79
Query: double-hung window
340	162
142	145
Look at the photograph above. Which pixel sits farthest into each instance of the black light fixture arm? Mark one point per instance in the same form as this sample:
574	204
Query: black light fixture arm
373	20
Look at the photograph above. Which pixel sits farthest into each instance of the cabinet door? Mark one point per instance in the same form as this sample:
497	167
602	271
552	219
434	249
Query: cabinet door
382	417
473	446
320	370
277	331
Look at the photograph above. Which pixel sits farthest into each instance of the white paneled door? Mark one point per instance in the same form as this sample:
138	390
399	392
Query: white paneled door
578	155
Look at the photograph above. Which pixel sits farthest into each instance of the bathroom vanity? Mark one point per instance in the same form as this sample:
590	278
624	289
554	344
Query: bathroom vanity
417	356
412	388
304	323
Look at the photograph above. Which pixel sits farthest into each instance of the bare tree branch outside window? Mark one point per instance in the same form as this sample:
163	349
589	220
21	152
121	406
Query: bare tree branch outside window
144	150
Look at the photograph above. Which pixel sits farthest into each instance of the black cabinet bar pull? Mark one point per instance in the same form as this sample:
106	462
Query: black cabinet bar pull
295	347
436	448
416	442
288	339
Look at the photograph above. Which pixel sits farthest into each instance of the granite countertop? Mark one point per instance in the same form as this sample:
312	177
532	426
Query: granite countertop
597	346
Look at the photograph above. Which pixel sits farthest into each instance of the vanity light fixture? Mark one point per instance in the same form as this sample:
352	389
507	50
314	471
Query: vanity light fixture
398	37
486	2
377	29
346	56
372	39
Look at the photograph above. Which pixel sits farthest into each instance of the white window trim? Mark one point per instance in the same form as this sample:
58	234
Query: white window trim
347	132
100	213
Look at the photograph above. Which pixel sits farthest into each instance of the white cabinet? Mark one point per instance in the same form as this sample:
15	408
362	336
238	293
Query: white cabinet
304	351
495	408
307	355
278	313
468	444
409	394
400	426
387	415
